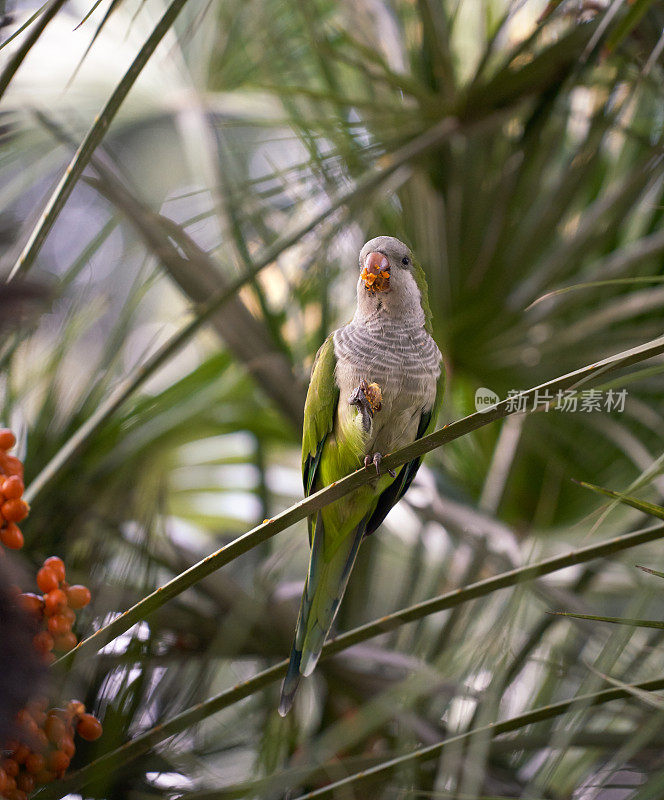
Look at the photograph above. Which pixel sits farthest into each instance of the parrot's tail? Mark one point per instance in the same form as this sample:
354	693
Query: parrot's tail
291	682
323	590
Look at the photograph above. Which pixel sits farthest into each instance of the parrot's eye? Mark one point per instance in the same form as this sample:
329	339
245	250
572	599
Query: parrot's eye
405	261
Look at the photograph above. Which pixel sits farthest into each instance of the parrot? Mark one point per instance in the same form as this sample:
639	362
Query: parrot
376	385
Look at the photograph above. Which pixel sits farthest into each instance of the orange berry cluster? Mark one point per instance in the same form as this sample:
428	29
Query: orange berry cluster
55	608
46	746
45	743
13	507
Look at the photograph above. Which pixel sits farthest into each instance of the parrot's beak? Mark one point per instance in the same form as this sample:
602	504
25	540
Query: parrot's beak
376	273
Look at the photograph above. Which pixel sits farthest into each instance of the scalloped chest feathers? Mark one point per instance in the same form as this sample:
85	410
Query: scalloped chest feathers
404	362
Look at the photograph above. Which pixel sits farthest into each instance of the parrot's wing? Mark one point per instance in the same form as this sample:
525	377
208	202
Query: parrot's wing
319	412
396	490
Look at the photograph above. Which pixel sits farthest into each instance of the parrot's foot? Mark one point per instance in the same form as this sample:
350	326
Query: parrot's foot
376	461
368	398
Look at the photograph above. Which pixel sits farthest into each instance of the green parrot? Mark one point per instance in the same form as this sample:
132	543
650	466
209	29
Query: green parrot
376	385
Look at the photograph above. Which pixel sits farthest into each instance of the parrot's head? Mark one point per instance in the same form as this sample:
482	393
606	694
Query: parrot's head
391	282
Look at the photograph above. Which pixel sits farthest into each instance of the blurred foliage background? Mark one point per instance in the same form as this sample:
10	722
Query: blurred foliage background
517	147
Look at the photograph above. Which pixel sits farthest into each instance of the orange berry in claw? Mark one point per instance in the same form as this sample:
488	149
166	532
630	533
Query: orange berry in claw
43	642
89	727
12	537
14	510
65	642
3	780
7	439
54	601
17	794
35	763
78	596
47	580
57	565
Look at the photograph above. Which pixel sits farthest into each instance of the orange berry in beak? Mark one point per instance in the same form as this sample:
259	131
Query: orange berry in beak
376	273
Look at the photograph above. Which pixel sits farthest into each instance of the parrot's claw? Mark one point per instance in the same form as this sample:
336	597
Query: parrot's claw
376	461
368	398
